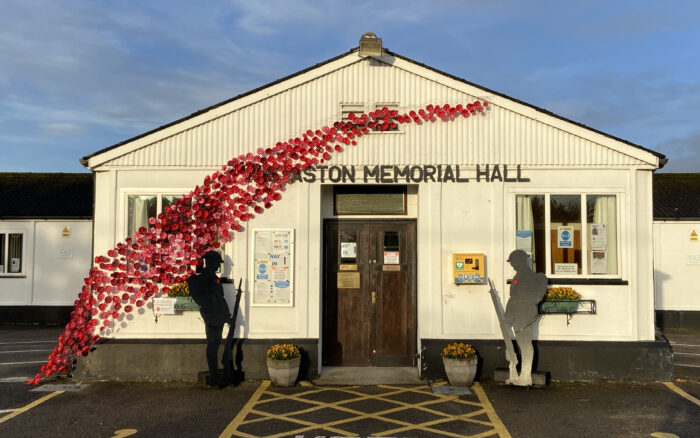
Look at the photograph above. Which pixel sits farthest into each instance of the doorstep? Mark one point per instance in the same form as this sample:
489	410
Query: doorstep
369	376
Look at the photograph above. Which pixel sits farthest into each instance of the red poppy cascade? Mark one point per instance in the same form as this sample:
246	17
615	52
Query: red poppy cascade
165	253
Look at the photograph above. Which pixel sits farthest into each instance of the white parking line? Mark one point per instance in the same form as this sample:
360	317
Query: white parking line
26	351
22	363
14	379
6	411
29	342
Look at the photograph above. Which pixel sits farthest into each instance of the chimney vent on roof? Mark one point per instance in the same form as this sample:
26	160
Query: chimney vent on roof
370	45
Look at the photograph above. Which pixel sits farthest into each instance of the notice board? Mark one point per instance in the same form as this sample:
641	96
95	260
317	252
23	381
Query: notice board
272	266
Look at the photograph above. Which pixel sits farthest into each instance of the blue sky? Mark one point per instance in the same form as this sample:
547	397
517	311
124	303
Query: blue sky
78	76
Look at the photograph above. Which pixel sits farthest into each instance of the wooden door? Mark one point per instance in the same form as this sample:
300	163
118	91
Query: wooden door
369	293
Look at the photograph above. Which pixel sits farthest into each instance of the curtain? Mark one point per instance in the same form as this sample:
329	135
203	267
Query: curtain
525	222
14	252
141	207
605	212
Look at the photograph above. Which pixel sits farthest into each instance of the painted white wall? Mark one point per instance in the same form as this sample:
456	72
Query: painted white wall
50	278
480	217
676	265
558	157
451	217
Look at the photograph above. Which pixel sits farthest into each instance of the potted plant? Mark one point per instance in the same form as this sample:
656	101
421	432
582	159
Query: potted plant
283	364
460	362
183	300
560	300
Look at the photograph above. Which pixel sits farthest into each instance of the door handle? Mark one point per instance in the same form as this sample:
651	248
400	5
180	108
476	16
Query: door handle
374	297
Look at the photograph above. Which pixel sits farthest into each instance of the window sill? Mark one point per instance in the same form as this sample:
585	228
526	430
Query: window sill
584	281
13	275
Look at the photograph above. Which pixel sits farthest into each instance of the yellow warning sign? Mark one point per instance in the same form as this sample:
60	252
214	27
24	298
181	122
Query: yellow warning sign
66	231
693	235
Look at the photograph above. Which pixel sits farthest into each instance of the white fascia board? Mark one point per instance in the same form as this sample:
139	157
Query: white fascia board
527	111
96	161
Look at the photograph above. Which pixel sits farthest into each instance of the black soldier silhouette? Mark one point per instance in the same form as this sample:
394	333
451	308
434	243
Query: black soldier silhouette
526	291
208	293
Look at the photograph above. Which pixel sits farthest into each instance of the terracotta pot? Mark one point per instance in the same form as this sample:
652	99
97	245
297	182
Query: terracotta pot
460	372
283	372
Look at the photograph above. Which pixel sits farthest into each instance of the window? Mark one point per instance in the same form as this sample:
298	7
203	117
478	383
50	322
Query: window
369	200
11	253
568	235
142	207
359	108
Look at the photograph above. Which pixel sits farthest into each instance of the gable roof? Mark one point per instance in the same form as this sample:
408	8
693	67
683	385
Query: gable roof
46	195
677	196
339	61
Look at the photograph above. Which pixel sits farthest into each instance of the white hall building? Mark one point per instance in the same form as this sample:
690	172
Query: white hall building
375	237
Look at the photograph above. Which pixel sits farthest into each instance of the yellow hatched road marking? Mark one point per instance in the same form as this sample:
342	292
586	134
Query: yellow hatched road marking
495	419
122	433
335	426
29	406
233	425
682	393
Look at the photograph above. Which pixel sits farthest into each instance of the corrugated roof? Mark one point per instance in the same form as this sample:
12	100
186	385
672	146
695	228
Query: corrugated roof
85	159
46	195
677	196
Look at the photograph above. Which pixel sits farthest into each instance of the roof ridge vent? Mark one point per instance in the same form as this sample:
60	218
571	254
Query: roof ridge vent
370	45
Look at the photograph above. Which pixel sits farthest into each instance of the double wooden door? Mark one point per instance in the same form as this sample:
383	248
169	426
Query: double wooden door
369	308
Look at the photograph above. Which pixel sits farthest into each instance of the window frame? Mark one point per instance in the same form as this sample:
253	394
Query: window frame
585	262
5	249
158	193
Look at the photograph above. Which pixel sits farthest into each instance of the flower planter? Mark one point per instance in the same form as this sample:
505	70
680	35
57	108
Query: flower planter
283	372
185	303
559	306
460	372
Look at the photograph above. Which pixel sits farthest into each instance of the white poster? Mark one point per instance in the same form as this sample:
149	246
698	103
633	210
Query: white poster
565	237
164	305
391	257
14	264
64	253
272	267
599	262
599	236
566	268
523	240
348	250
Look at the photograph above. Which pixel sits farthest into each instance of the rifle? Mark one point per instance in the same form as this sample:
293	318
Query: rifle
506	332
227	357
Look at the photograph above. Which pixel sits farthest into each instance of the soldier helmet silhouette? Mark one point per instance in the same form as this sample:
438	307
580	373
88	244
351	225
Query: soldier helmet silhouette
518	256
212	257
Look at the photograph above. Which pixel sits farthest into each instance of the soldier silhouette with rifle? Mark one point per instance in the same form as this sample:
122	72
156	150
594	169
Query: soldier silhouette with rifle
207	291
526	291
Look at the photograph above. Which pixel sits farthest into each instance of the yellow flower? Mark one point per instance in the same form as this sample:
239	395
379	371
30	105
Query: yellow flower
283	352
458	350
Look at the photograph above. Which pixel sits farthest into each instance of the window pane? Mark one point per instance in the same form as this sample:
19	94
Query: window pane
565	226
369	200
602	236
2	254
169	200
141	207
530	229
14	252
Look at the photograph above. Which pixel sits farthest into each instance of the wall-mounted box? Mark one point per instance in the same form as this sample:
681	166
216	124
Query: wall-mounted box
468	268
